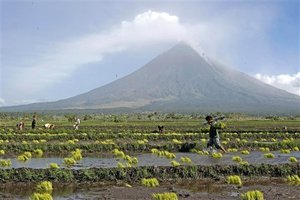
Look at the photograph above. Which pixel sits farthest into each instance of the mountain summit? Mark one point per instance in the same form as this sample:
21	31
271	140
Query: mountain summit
181	80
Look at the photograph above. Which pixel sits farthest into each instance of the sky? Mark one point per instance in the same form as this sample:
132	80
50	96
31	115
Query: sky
55	49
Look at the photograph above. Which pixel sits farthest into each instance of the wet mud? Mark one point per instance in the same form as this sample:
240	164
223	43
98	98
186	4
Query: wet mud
273	189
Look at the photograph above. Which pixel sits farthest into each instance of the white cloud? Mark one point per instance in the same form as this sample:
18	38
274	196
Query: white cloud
62	60
151	17
151	27
2	102
290	83
145	29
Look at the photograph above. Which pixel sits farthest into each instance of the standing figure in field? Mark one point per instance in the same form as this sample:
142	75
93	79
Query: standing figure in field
33	124
77	122
20	126
214	137
160	129
49	126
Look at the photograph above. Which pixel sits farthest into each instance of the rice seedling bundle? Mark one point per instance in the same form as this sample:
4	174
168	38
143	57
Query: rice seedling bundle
5	163
165	196
217	155
269	155
293	159
174	163
150	182
293	180
253	195
237	158
235	180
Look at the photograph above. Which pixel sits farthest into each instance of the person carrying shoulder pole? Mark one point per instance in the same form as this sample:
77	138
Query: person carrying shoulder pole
214	137
77	122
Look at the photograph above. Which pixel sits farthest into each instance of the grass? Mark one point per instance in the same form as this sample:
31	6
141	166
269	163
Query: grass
139	119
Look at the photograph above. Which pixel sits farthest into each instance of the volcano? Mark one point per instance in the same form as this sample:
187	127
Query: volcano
181	80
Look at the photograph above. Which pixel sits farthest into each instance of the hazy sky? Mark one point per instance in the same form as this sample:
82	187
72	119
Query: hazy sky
54	49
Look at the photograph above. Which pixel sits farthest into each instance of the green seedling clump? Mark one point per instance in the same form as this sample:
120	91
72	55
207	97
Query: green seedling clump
38	153
165	196
273	140
44	187
197	151
237	158
269	155
131	160
39	196
23	158
5	163
243	162
150	182
174	163
263	149
286	151
253	195
245	152
166	154
69	161
120	165
232	150
169	155
54	166
43	191
293	159
203	140
217	155
293	180
27	154
177	141
185	159
154	151
235	180
76	155
118	153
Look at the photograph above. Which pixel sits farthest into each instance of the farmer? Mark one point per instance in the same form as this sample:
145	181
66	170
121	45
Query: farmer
49	126
20	126
33	122
160	129
77	122
214	138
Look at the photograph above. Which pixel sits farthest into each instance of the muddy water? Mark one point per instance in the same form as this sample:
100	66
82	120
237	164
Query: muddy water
108	161
273	188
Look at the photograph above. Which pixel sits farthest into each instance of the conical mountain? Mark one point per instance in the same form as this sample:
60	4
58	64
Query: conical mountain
182	80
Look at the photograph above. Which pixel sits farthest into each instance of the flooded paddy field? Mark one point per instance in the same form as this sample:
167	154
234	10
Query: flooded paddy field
148	159
112	162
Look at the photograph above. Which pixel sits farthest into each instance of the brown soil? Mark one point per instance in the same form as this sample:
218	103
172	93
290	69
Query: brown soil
204	189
